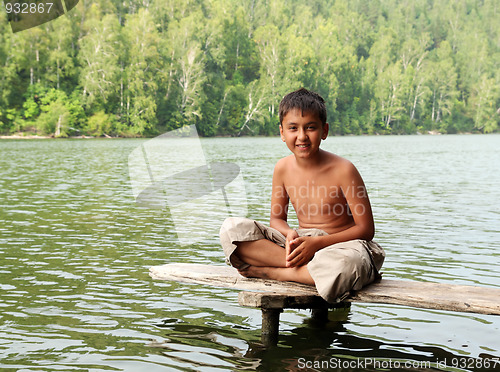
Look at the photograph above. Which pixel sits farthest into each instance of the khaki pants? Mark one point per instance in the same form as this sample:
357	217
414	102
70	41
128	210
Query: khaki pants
336	269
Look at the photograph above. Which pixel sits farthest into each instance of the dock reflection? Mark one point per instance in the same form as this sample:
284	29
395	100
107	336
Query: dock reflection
311	346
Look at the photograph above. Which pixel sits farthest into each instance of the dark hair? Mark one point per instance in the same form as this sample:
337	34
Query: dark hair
304	100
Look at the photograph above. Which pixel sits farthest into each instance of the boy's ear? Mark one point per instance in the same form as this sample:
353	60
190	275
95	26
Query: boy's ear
325	131
281	133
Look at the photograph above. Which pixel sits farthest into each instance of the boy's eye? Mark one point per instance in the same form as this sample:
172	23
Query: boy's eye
311	127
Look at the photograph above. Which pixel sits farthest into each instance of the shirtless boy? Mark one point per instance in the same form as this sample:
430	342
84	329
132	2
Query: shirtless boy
333	247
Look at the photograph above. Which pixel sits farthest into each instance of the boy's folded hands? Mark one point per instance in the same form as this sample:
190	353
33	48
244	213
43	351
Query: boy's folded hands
300	250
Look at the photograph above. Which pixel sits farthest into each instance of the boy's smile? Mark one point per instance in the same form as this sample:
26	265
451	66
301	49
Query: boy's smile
302	132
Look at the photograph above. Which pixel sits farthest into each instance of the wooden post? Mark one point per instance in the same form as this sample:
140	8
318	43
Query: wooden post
319	315
270	326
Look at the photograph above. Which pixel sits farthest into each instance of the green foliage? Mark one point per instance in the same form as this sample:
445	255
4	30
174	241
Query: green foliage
142	68
54	119
99	124
51	112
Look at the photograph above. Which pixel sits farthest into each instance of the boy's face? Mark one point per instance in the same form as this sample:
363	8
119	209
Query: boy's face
302	132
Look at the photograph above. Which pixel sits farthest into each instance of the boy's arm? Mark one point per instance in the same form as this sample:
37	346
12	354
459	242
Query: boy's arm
279	205
354	191
279	201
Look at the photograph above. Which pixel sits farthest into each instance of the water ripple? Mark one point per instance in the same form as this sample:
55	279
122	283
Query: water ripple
75	251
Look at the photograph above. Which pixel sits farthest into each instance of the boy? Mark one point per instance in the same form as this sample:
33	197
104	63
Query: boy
332	248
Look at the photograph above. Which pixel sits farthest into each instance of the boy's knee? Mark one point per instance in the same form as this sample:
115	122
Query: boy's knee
235	223
359	264
238	229
338	270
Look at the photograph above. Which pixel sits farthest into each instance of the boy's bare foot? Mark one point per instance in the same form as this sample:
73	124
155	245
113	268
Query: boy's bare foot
292	274
255	272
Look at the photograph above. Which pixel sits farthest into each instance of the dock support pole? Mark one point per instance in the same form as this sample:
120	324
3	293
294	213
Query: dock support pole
270	326
319	315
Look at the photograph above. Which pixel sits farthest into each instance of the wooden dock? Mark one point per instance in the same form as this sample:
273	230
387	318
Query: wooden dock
272	296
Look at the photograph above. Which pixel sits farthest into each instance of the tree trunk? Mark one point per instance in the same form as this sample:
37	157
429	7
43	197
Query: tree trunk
433	105
221	109
58	127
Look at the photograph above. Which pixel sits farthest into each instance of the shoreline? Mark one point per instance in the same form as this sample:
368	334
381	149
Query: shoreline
33	136
428	133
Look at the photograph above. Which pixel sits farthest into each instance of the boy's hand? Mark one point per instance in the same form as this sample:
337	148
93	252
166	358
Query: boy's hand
292	234
302	250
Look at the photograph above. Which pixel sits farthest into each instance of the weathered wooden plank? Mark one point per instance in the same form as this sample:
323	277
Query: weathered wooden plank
440	296
482	300
273	300
225	276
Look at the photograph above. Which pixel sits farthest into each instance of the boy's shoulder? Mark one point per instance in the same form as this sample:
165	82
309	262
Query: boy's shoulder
337	163
284	162
330	162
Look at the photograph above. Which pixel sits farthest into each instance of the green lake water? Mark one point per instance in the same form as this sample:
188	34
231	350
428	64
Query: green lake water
75	294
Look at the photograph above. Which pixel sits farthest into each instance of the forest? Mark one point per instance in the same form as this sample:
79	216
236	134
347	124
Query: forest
139	68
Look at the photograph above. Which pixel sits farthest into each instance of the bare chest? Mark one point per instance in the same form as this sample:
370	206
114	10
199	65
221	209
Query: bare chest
318	197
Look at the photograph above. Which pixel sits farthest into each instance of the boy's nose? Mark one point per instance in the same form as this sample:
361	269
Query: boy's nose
302	134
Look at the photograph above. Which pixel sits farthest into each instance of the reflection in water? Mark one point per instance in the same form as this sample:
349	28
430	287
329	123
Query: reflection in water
328	344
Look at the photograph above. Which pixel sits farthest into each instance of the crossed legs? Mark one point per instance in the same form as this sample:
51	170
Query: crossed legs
267	260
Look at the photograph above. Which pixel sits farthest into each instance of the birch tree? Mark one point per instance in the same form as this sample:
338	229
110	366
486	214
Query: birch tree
60	64
484	99
413	58
7	73
388	91
442	83
187	66
269	46
99	57
142	72
254	109
191	79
